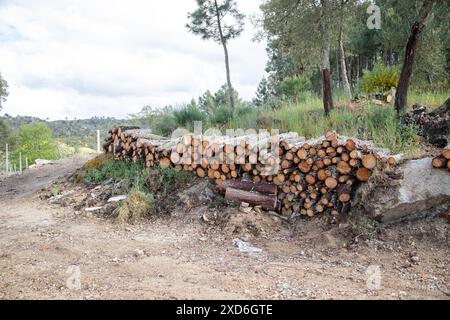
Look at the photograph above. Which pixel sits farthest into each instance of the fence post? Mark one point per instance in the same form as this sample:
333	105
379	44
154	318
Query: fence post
20	162
98	141
7	159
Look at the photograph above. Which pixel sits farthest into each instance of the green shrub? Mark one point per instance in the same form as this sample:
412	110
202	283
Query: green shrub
380	79
171	179
132	175
221	115
185	116
293	88
35	141
164	124
94	176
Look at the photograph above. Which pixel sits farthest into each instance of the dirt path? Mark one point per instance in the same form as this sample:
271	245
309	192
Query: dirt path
52	252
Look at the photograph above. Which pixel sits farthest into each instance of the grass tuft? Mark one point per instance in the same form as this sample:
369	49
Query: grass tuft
135	207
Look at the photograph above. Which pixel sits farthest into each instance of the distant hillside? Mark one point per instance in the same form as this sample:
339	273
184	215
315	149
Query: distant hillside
69	128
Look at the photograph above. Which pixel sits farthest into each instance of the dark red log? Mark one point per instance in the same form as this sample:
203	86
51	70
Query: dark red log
263	187
253	198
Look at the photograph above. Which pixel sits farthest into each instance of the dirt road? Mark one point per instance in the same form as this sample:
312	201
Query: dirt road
50	252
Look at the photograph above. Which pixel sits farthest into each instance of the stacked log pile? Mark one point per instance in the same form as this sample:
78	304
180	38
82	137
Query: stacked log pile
442	160
297	177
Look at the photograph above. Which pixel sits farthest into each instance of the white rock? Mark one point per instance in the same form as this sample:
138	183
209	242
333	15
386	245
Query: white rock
245	246
42	162
117	198
93	209
138	253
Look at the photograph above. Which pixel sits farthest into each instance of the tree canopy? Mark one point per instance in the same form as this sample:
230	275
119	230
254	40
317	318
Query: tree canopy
220	21
35	141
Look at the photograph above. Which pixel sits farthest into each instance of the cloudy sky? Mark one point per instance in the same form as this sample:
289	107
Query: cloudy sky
81	58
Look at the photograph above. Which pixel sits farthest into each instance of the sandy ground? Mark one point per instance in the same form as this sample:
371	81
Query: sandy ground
50	252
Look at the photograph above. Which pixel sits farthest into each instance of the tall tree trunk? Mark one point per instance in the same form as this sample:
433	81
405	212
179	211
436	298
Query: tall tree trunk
344	75
344	69
325	59
349	63
230	87
410	55
338	74
227	62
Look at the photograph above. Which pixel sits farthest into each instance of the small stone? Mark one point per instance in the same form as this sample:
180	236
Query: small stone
415	259
138	253
244	205
245	209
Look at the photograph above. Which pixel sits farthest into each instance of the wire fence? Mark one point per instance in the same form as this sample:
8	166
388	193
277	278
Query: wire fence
13	163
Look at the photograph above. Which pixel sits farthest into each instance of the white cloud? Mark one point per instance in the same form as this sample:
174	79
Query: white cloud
80	58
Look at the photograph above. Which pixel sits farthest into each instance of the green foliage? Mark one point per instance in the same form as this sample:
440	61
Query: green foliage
293	88
306	118
7	135
220	115
116	171
186	115
364	228
203	21
380	79
35	141
295	50
94	176
161	120
265	93
383	127
172	179
165	124
55	190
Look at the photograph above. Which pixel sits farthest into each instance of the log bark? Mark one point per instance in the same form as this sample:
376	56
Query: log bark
253	198
227	63
262	187
410	56
324	28
344	75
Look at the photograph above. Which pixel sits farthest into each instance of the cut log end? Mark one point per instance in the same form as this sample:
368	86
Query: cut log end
363	174
369	161
439	161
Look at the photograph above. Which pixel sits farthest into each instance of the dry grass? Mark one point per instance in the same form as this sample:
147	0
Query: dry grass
98	162
134	208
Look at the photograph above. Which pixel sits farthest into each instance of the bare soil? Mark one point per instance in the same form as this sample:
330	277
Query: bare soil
181	256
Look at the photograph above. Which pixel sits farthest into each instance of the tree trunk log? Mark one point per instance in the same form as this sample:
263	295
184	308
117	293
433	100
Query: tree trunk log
410	55
253	198
262	187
